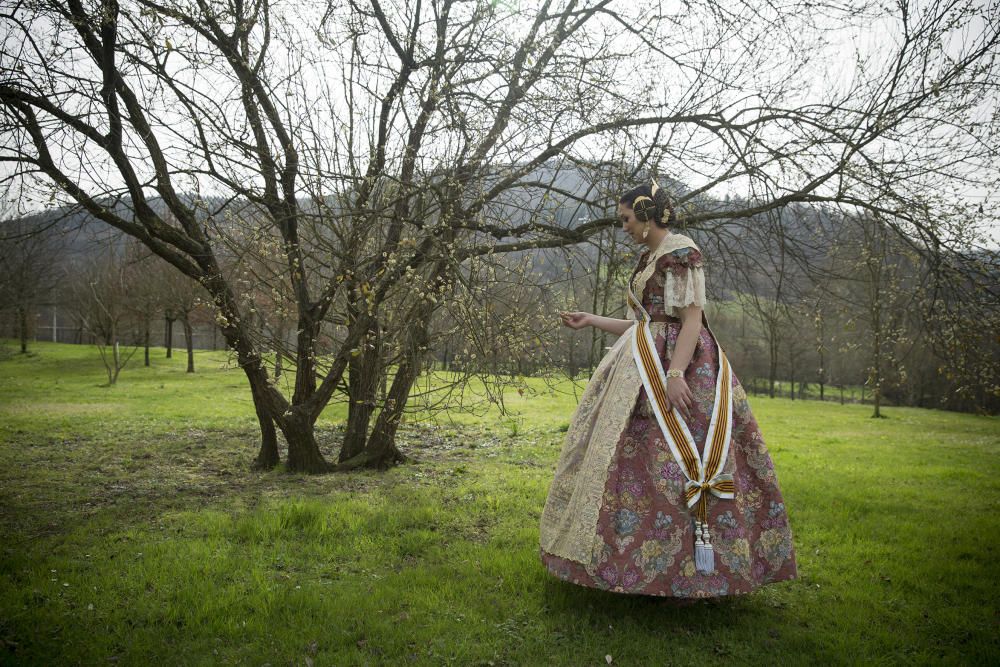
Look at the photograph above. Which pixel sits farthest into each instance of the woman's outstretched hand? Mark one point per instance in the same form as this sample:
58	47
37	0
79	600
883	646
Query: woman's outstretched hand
680	396
575	319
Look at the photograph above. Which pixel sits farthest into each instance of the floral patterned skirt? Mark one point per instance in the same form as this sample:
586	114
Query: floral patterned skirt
646	543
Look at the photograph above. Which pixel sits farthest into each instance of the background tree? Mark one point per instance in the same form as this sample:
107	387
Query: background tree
30	270
880	267
961	317
100	295
148	279
383	148
182	298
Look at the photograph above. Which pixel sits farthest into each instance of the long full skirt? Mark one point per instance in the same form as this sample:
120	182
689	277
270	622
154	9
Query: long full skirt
615	518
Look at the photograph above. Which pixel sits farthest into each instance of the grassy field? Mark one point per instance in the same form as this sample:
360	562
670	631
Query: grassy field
133	533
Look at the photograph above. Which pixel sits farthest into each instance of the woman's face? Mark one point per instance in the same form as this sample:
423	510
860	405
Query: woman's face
630	225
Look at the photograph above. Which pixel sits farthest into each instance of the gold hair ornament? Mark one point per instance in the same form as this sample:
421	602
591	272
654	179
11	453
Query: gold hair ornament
645	208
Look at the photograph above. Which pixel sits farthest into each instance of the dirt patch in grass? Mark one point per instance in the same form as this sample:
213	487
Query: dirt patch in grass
49	484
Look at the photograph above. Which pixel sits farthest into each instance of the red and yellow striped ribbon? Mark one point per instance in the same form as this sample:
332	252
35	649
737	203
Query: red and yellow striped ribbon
703	476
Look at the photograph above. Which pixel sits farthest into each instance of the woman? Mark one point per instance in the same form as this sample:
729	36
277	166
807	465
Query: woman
664	485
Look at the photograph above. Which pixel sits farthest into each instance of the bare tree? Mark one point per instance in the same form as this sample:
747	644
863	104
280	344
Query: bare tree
367	155
816	311
145	275
959	317
100	295
772	291
182	298
30	270
887	286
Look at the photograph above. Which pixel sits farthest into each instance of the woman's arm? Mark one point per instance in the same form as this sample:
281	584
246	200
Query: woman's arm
687	339
684	291
578	320
678	392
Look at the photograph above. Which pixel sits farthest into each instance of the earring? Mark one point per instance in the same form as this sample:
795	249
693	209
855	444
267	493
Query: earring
645	231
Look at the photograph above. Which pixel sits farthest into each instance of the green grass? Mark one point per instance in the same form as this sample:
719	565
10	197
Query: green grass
134	532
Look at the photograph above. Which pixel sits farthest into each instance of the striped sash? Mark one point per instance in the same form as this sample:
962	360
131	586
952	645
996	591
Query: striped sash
703	473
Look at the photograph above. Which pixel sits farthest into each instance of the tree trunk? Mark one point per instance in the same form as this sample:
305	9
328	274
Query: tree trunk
22	321
380	451
145	343
295	425
362	382
116	359
168	337
268	456
272	410
772	370
189	342
295	419
303	450
877	375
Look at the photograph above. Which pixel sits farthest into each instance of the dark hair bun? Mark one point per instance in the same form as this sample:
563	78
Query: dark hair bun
664	207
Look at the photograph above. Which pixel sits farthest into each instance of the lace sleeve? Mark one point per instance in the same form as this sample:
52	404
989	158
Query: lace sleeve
683	278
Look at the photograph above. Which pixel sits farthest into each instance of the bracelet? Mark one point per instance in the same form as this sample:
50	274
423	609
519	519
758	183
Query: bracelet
674	373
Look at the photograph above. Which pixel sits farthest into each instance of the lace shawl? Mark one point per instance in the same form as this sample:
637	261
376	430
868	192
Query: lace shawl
678	263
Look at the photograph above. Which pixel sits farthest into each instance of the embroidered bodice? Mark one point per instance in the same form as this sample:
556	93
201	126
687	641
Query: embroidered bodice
670	277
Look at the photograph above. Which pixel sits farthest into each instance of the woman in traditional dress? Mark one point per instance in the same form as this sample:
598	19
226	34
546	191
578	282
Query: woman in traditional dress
664	485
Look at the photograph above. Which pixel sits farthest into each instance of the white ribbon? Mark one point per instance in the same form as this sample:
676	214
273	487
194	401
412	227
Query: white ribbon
696	468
